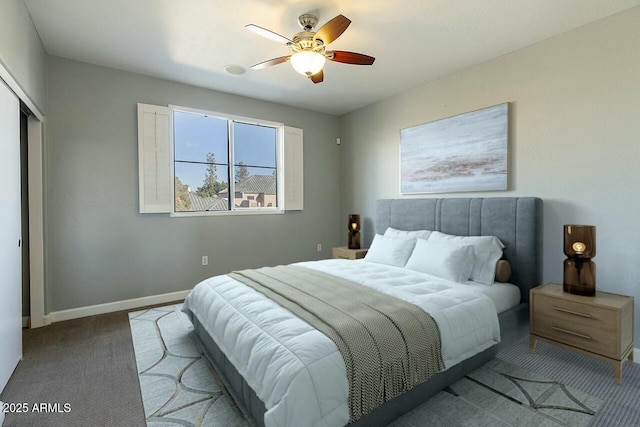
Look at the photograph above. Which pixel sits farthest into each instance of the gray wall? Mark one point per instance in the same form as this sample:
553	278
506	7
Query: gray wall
574	140
100	249
21	51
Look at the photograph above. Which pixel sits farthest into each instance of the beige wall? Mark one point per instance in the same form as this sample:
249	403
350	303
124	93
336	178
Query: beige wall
574	140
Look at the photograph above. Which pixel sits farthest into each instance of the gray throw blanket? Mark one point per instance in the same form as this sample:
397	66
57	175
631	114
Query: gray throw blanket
388	345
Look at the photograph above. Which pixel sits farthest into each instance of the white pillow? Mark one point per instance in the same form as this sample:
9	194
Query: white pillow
449	260
418	234
390	250
487	252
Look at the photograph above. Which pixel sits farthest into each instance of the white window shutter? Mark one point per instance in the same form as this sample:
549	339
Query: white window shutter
154	168
293	169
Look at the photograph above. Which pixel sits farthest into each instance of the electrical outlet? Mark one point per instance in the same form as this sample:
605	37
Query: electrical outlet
205	260
319	247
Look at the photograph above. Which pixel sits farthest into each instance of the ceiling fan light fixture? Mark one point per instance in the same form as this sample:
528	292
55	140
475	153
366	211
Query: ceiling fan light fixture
308	48
307	62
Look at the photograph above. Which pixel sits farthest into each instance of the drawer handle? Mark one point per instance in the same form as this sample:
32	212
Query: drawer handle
577	313
571	332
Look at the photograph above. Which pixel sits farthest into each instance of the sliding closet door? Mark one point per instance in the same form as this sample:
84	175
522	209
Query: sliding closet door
10	233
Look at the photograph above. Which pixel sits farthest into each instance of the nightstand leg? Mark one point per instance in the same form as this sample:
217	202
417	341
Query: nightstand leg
617	370
630	359
532	344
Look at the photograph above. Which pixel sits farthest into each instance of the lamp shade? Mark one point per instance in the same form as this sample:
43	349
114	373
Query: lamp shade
307	62
580	241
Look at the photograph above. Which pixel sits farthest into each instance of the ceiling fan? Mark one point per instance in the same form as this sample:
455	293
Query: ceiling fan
309	47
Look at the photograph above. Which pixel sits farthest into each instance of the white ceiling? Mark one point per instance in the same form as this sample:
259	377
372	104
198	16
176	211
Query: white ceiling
414	41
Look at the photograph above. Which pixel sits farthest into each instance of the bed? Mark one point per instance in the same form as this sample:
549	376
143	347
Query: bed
251	370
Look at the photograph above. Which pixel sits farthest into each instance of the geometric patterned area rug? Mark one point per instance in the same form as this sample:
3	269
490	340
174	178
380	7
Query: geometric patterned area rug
178	384
502	394
621	406
181	388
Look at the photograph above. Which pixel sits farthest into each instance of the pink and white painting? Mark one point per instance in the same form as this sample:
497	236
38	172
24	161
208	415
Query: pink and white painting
467	152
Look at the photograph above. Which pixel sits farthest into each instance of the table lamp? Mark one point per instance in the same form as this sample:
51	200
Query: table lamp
579	271
354	231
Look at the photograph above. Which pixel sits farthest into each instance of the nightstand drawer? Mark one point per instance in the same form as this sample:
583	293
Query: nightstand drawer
572	313
595	338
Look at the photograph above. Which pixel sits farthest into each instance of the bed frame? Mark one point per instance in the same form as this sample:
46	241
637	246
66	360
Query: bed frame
516	221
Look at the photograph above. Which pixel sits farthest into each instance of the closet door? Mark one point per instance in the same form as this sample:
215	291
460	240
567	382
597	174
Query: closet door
10	221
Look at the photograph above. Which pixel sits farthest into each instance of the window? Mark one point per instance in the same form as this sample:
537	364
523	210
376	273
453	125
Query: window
224	164
189	161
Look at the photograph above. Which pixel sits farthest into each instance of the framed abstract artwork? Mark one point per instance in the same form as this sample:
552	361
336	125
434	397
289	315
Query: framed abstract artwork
467	152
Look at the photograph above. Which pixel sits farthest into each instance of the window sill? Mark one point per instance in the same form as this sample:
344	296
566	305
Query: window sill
228	213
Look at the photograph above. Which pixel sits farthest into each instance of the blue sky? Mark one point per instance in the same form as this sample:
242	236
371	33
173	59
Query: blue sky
197	134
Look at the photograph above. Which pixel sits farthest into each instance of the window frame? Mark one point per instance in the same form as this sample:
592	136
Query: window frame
230	118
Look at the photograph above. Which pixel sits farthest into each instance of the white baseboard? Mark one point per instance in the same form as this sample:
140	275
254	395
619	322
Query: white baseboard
25	324
110	307
636	355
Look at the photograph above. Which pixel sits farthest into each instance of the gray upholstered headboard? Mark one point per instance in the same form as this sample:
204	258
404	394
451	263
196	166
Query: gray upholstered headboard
516	221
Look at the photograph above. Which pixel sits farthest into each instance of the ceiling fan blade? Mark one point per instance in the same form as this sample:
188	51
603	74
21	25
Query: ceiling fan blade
350	57
317	77
271	62
267	34
332	29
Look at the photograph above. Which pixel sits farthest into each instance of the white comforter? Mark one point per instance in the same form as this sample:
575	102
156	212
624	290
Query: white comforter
296	370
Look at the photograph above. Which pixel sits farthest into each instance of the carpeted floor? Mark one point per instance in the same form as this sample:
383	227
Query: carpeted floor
90	364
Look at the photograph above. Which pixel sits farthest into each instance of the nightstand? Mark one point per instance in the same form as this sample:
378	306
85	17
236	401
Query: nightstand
346	253
600	326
